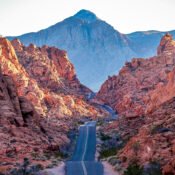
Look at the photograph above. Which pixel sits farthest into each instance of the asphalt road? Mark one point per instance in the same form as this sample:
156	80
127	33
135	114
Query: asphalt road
83	160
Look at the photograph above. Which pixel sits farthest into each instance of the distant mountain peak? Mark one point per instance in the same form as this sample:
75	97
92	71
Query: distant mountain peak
86	16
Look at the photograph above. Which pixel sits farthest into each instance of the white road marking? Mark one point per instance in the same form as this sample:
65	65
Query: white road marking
84	168
85	148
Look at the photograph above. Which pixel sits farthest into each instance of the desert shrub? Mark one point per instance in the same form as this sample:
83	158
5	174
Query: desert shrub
134	169
23	169
113	161
155	128
107	153
136	147
153	168
34	155
105	137
2	173
26	169
58	154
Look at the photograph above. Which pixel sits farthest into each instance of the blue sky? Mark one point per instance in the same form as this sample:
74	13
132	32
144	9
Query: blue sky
21	16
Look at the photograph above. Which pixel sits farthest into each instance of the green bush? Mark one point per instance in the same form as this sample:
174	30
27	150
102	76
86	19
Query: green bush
105	137
155	128
134	169
136	146
108	152
59	154
26	169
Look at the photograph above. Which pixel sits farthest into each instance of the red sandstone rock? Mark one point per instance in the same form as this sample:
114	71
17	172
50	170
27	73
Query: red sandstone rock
40	100
155	139
167	44
142	84
21	128
143	94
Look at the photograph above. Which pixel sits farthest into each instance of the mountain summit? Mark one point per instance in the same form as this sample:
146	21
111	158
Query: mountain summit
86	16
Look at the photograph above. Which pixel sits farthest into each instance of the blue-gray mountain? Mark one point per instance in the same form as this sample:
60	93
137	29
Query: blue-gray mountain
95	47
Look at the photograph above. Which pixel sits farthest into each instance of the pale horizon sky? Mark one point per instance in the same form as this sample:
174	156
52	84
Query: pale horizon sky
22	16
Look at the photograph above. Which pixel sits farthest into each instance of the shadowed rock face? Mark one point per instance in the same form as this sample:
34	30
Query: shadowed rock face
86	16
142	84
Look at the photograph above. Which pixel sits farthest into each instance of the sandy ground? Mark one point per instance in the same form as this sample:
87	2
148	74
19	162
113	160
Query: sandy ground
57	170
108	169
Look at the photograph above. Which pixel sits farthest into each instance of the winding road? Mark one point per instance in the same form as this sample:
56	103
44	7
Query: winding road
83	160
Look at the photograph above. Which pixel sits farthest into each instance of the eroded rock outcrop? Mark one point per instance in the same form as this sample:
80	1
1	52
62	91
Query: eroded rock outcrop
26	86
41	100
44	75
23	132
142	84
143	95
155	141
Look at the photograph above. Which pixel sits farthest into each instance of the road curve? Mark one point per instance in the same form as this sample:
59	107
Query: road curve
83	160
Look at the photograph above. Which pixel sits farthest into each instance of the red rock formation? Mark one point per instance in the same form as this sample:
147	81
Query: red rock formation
50	67
22	130
167	44
142	84
155	139
45	73
143	94
41	100
26	86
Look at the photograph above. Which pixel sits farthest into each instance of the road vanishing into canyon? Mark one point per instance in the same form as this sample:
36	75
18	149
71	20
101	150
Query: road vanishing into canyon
83	160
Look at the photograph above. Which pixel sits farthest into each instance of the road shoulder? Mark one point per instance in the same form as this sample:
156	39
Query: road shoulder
108	169
55	171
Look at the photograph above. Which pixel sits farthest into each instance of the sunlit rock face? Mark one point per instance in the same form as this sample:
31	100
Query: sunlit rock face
48	65
26	86
155	140
40	101
143	95
22	129
167	45
45	73
142	84
55	75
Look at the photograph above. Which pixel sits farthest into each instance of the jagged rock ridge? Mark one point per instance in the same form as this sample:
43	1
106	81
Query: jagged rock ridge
142	84
143	94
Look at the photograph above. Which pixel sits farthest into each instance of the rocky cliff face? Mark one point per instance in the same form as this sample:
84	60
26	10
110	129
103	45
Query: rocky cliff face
155	141
25	85
50	67
142	84
41	100
22	130
45	77
143	94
